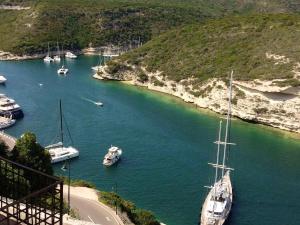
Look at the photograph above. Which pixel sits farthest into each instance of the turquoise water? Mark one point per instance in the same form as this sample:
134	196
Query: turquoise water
166	145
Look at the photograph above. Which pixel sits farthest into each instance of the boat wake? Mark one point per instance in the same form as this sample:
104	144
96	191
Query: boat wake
96	103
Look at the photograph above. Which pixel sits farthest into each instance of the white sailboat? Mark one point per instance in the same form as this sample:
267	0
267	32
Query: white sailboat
63	70
218	202
99	66
58	151
57	57
48	59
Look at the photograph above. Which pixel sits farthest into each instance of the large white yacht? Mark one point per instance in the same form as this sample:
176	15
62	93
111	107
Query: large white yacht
8	107
113	155
70	55
217	204
60	153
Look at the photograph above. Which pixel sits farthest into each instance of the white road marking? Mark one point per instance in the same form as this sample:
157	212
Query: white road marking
91	219
107	218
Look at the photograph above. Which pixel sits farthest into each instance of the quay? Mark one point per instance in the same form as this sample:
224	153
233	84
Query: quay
9	140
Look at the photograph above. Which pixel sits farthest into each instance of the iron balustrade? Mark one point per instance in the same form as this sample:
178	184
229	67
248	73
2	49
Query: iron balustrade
28	196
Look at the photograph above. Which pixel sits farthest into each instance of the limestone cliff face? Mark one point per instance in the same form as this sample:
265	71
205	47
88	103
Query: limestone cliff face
258	101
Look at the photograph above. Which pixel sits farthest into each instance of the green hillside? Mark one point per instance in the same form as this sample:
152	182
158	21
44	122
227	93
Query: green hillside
77	23
214	48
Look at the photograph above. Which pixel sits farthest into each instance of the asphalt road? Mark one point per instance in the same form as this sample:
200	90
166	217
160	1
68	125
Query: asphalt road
92	211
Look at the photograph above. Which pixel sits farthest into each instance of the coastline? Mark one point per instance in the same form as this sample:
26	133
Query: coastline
280	132
215	101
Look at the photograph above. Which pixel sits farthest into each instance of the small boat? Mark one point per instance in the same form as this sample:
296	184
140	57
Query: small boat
48	59
2	79
70	55
63	70
57	57
218	202
98	103
113	155
58	152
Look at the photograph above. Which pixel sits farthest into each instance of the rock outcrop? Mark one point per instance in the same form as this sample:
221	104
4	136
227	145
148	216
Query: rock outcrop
256	101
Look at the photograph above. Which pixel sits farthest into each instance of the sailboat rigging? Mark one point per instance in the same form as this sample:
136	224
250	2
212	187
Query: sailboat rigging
57	151
218	202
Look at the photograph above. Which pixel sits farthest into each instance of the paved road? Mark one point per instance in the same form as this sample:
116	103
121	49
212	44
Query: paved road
90	209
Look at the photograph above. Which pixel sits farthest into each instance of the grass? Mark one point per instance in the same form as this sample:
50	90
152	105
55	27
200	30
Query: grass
214	48
78	23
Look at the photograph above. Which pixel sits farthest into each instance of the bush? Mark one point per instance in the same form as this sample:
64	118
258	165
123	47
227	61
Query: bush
142	77
137	216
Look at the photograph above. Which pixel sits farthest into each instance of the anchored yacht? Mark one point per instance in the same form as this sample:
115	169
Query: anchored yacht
113	155
70	55
217	204
8	107
63	70
48	59
60	153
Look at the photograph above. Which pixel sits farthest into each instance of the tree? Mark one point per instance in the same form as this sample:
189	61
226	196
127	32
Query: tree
30	153
3	149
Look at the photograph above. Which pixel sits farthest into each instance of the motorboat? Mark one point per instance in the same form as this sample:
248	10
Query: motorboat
63	70
60	153
70	55
113	155
2	79
8	107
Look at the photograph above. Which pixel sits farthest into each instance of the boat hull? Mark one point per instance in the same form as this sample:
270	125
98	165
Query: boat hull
204	216
64	158
15	114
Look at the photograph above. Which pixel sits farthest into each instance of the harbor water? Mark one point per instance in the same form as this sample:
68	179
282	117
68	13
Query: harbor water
166	145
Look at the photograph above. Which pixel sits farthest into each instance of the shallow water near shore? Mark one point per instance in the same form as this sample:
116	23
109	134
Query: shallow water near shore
166	145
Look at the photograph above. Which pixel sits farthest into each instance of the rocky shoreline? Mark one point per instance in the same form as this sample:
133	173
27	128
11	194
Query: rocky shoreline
253	101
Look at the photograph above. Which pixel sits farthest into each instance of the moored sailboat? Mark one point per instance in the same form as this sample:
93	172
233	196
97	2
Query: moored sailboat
218	202
48	58
58	152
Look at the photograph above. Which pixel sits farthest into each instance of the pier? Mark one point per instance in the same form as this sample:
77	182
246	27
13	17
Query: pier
10	141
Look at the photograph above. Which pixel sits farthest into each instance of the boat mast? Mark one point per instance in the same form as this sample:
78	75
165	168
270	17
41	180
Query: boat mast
218	152
61	123
48	49
227	123
58	52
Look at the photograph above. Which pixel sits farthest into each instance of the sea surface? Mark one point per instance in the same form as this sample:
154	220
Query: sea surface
166	145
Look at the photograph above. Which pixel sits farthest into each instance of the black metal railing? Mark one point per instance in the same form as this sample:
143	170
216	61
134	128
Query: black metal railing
28	196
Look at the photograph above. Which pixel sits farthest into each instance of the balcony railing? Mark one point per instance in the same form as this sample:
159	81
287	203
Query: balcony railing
28	196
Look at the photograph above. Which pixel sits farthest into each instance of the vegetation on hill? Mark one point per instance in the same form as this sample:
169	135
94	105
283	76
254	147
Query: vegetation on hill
214	48
136	215
77	23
